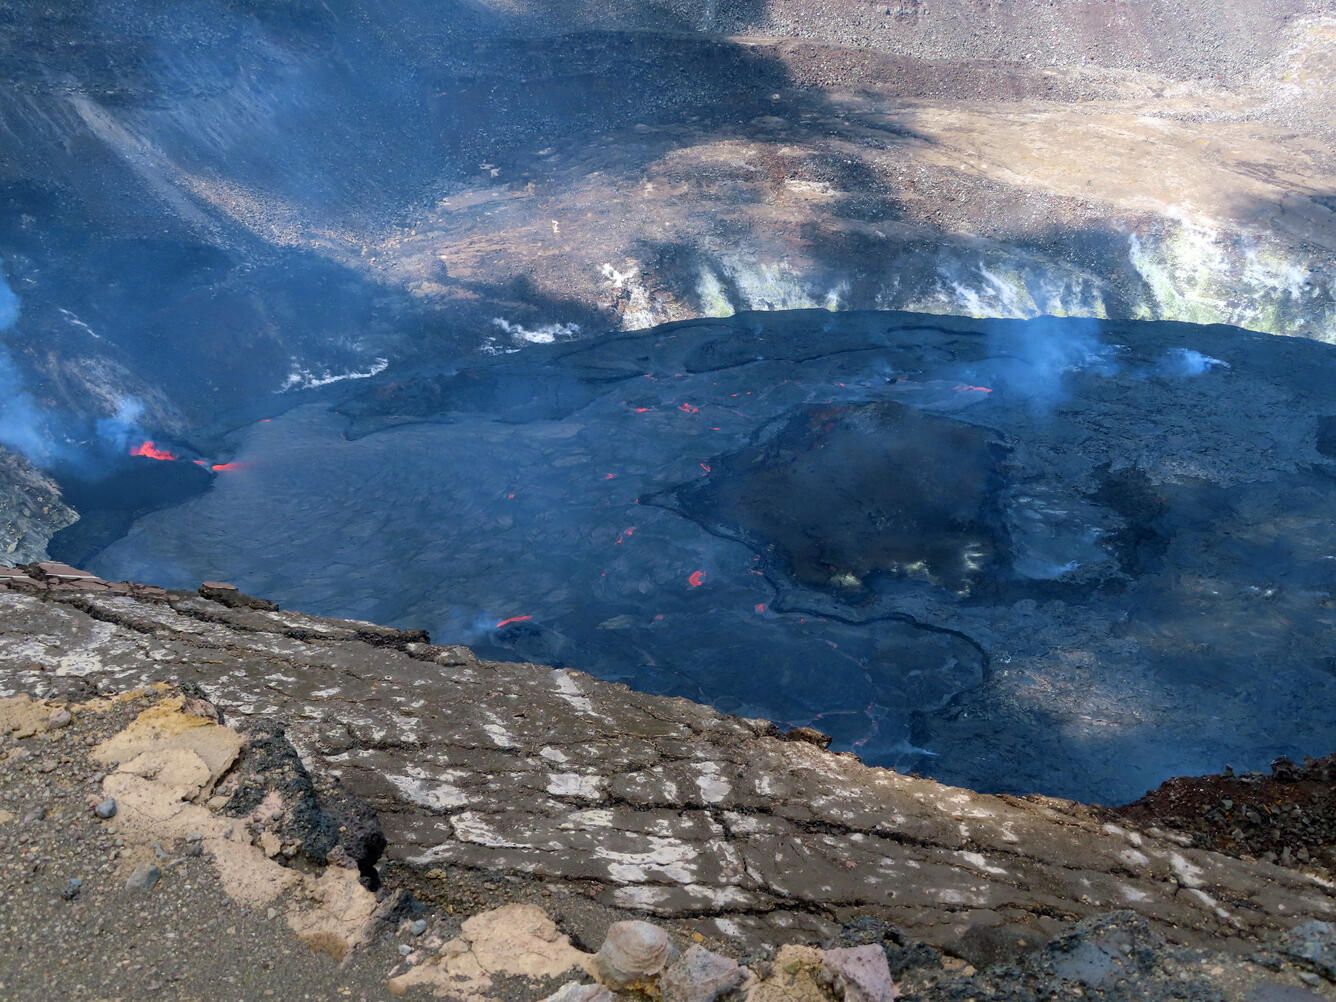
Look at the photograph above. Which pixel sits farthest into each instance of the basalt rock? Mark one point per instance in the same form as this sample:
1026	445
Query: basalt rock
327	825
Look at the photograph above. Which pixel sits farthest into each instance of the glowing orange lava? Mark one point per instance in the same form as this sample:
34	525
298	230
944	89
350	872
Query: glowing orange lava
150	451
688	408
626	534
696	579
760	607
226	466
705	467
512	619
965	388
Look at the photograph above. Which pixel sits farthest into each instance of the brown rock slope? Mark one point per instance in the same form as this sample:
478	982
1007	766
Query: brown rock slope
643	804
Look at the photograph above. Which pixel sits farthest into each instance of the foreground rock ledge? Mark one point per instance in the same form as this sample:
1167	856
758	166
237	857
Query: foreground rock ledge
644	804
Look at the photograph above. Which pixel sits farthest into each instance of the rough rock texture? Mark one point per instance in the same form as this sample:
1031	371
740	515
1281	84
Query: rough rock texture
1287	817
515	940
654	805
31	510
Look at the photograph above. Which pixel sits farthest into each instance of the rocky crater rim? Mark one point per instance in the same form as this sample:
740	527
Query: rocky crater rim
629	803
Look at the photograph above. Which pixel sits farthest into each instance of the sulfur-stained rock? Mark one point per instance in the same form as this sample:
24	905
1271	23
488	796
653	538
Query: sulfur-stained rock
794	977
858	974
700	976
632	954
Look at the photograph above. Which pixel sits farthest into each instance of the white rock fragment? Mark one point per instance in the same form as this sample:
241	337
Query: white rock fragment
576	992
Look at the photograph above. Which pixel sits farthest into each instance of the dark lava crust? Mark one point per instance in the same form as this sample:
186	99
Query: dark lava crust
842	496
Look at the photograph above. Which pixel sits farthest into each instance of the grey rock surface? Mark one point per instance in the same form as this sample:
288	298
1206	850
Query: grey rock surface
144	877
31	510
644	804
859	974
700	975
1314	942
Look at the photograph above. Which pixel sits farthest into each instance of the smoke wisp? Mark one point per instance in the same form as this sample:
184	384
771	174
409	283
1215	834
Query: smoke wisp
1034	361
23	426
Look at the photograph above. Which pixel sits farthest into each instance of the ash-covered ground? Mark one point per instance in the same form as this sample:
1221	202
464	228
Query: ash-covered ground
1065	557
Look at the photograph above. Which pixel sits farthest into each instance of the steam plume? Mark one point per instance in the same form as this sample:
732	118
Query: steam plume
23	427
1034	360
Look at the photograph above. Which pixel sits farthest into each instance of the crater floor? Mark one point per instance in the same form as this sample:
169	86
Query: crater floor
1064	557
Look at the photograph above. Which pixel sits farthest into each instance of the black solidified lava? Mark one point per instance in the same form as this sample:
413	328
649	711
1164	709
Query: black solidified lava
109	505
845	494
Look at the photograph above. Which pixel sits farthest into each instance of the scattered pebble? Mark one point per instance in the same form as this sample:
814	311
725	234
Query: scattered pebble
143	878
106	809
61	718
72	889
418	927
405	949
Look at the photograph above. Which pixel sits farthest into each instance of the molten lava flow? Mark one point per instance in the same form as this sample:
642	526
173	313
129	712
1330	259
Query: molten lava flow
696	579
704	467
760	607
150	451
626	534
512	619
226	466
688	408
966	388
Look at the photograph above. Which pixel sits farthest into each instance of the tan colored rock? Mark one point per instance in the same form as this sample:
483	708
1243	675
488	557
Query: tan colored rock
270	844
632	955
179	768
169	758
520	940
22	716
165	725
341	914
516	940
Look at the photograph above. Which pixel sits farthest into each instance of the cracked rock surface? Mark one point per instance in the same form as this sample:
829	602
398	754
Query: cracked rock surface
645	804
